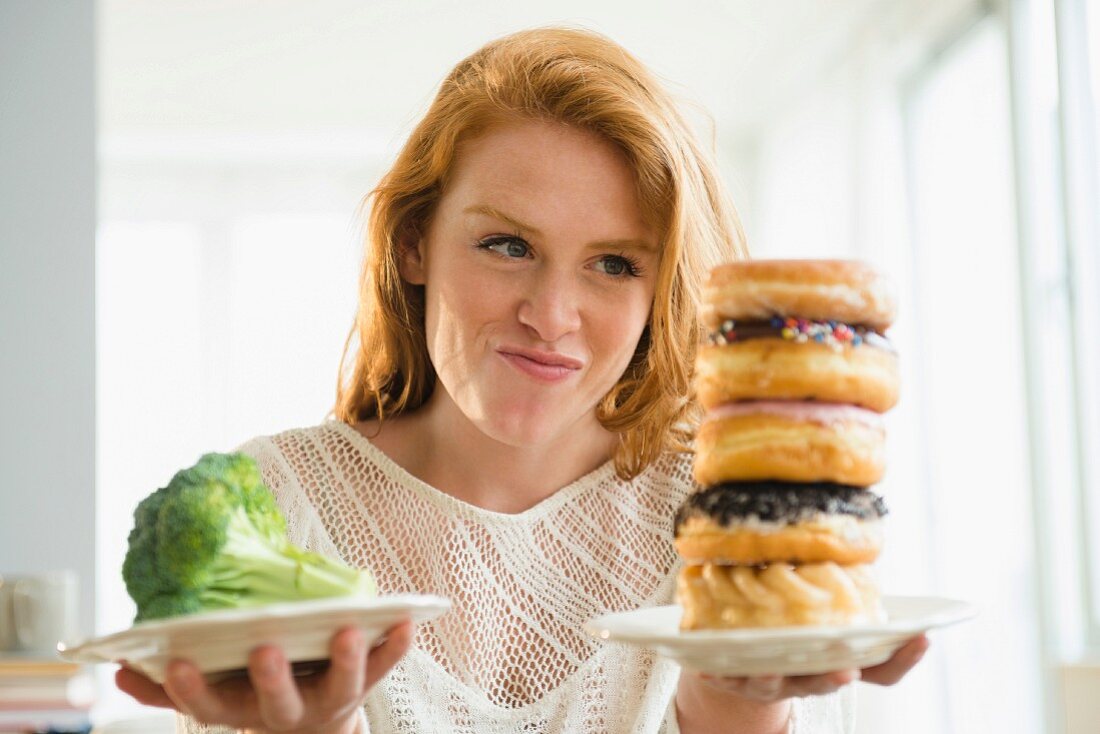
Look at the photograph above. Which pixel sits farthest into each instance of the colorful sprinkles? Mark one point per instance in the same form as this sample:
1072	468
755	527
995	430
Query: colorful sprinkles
830	333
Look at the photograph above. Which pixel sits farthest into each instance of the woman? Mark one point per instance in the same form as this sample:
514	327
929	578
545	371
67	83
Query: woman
513	431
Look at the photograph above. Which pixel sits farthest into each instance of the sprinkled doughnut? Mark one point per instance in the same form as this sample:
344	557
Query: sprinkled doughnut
798	330
749	366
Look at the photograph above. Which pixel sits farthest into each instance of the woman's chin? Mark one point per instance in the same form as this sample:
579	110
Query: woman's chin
518	428
521	435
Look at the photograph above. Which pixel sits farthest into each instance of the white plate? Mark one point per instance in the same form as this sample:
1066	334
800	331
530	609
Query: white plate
780	650
219	642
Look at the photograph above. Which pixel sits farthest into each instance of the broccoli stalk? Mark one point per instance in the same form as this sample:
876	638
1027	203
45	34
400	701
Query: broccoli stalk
250	570
215	539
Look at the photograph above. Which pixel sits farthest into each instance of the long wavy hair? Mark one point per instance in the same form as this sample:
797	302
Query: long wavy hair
580	78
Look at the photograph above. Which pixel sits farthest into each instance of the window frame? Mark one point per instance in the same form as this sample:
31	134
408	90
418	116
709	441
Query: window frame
1068	555
1079	168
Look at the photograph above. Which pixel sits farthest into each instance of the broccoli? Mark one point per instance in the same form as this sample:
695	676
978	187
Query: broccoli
215	539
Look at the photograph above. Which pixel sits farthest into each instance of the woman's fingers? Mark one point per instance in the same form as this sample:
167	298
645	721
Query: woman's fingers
343	685
270	697
763	687
277	698
386	655
774	687
819	685
143	690
755	688
902	661
724	683
189	691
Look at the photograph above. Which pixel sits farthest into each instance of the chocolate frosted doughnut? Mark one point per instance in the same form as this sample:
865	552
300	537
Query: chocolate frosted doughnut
780	502
749	523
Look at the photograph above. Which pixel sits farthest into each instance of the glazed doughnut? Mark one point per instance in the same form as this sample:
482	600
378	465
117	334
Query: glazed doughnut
782	369
843	290
749	523
790	441
778	594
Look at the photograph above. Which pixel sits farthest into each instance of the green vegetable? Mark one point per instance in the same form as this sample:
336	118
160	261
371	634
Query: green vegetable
215	539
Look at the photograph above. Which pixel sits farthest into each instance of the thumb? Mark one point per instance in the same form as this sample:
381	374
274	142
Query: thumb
902	661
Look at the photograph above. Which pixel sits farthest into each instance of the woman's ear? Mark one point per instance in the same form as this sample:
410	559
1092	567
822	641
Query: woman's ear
410	258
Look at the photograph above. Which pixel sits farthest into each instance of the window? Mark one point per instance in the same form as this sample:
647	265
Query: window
970	379
932	148
222	323
1079	57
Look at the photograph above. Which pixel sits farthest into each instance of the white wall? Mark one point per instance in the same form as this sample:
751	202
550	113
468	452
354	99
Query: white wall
47	275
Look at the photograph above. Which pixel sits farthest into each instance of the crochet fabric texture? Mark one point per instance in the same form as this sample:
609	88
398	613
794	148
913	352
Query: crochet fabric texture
511	657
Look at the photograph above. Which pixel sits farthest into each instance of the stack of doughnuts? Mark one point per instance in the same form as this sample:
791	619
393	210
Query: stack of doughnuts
794	378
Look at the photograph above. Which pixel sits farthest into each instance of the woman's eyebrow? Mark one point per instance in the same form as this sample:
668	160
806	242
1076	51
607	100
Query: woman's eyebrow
622	245
497	214
485	209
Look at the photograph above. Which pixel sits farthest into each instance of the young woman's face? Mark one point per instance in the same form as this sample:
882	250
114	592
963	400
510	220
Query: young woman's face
539	274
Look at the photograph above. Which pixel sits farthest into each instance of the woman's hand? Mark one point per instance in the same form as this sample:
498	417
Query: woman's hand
777	687
760	704
270	699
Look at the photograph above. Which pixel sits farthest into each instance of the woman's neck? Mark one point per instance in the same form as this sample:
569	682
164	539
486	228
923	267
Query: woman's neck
440	446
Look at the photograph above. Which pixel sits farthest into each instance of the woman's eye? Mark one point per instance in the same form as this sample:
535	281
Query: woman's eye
508	247
617	265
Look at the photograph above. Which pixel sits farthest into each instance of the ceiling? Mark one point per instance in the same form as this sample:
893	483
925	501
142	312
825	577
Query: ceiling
363	70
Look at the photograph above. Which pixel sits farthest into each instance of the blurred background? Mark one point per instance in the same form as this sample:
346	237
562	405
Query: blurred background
179	253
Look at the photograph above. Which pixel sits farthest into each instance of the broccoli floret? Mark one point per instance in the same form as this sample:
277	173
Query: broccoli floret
215	539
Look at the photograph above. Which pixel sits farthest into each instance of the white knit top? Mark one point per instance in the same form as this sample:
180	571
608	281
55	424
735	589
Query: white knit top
511	657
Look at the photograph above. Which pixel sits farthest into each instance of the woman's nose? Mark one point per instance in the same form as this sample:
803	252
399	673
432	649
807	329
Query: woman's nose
551	307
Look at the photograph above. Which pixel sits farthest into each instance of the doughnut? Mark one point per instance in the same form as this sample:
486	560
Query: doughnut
784	369
842	290
749	523
778	594
793	377
790	441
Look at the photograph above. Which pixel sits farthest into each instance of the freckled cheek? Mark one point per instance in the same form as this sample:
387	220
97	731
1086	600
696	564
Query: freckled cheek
470	303
617	329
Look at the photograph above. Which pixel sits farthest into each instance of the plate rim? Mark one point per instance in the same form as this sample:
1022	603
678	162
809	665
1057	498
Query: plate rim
82	650
954	612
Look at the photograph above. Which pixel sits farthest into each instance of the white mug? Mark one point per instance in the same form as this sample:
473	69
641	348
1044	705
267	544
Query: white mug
38	610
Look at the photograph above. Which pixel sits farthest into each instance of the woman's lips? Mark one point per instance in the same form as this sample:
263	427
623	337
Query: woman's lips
539	370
